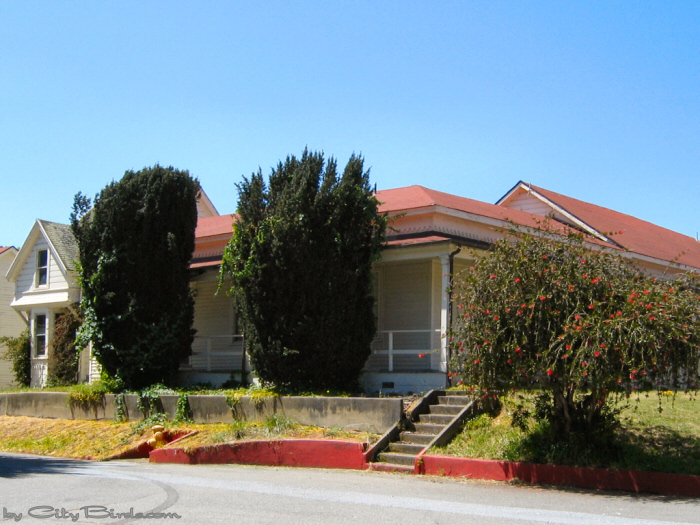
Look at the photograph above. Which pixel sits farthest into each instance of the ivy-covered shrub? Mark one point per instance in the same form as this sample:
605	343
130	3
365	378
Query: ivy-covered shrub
18	351
553	311
136	242
63	359
300	269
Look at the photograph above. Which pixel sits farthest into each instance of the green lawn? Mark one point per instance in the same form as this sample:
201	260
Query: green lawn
646	439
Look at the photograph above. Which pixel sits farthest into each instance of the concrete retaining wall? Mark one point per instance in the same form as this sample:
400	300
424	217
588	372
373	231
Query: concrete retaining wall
349	413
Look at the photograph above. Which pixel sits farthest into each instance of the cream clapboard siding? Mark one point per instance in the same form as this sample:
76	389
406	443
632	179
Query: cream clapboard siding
11	324
529	203
214	315
404	304
25	279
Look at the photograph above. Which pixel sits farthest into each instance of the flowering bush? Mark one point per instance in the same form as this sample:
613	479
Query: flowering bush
546	311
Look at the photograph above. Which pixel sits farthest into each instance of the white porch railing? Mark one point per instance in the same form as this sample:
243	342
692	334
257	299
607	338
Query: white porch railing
217	353
411	345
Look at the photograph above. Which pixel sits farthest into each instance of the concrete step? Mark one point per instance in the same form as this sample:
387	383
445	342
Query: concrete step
454	400
388	467
406	448
414	437
428	428
436	419
446	409
396	458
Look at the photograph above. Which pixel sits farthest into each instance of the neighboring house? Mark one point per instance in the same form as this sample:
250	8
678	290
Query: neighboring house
434	235
45	287
11	324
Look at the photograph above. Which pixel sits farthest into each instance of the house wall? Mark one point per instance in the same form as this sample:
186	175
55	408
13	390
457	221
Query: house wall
11	324
25	279
405	296
217	350
214	314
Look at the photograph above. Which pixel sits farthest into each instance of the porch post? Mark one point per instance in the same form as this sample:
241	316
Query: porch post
444	310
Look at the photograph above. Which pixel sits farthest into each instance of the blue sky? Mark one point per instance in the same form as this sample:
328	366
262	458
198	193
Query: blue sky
596	100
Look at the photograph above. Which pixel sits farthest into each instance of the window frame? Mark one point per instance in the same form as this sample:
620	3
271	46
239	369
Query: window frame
41	270
43	335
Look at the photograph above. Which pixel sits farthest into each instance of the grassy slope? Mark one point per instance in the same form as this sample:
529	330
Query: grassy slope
667	441
101	439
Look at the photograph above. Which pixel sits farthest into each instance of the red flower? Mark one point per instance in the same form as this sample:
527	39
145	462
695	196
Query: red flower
476	361
568	347
590	307
421	355
517	279
602	345
577	317
495	318
565	356
493	276
542	297
596	354
585	363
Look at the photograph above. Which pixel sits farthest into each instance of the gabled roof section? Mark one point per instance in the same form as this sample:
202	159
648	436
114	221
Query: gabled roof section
417	197
205	208
4	249
632	234
60	239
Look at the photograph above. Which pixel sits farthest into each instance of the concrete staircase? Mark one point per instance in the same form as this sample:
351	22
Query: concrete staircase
423	428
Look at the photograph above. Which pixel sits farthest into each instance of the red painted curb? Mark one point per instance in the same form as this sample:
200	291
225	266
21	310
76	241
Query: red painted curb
589	478
291	453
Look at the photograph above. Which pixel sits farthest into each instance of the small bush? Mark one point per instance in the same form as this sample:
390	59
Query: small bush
19	353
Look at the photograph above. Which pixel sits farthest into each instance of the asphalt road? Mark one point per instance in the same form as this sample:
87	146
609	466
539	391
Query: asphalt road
67	491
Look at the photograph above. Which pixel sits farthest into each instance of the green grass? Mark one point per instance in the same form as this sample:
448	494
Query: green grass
646	438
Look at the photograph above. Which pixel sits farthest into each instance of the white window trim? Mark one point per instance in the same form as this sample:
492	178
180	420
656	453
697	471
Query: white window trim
47	332
37	268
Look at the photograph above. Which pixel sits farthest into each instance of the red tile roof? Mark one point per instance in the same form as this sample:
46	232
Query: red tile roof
214	226
637	235
3	249
415	197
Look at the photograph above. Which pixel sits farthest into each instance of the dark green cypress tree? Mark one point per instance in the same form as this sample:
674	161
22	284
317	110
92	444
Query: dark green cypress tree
135	246
300	265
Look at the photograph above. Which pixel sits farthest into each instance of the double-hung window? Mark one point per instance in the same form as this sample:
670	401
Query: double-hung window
40	335
42	267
